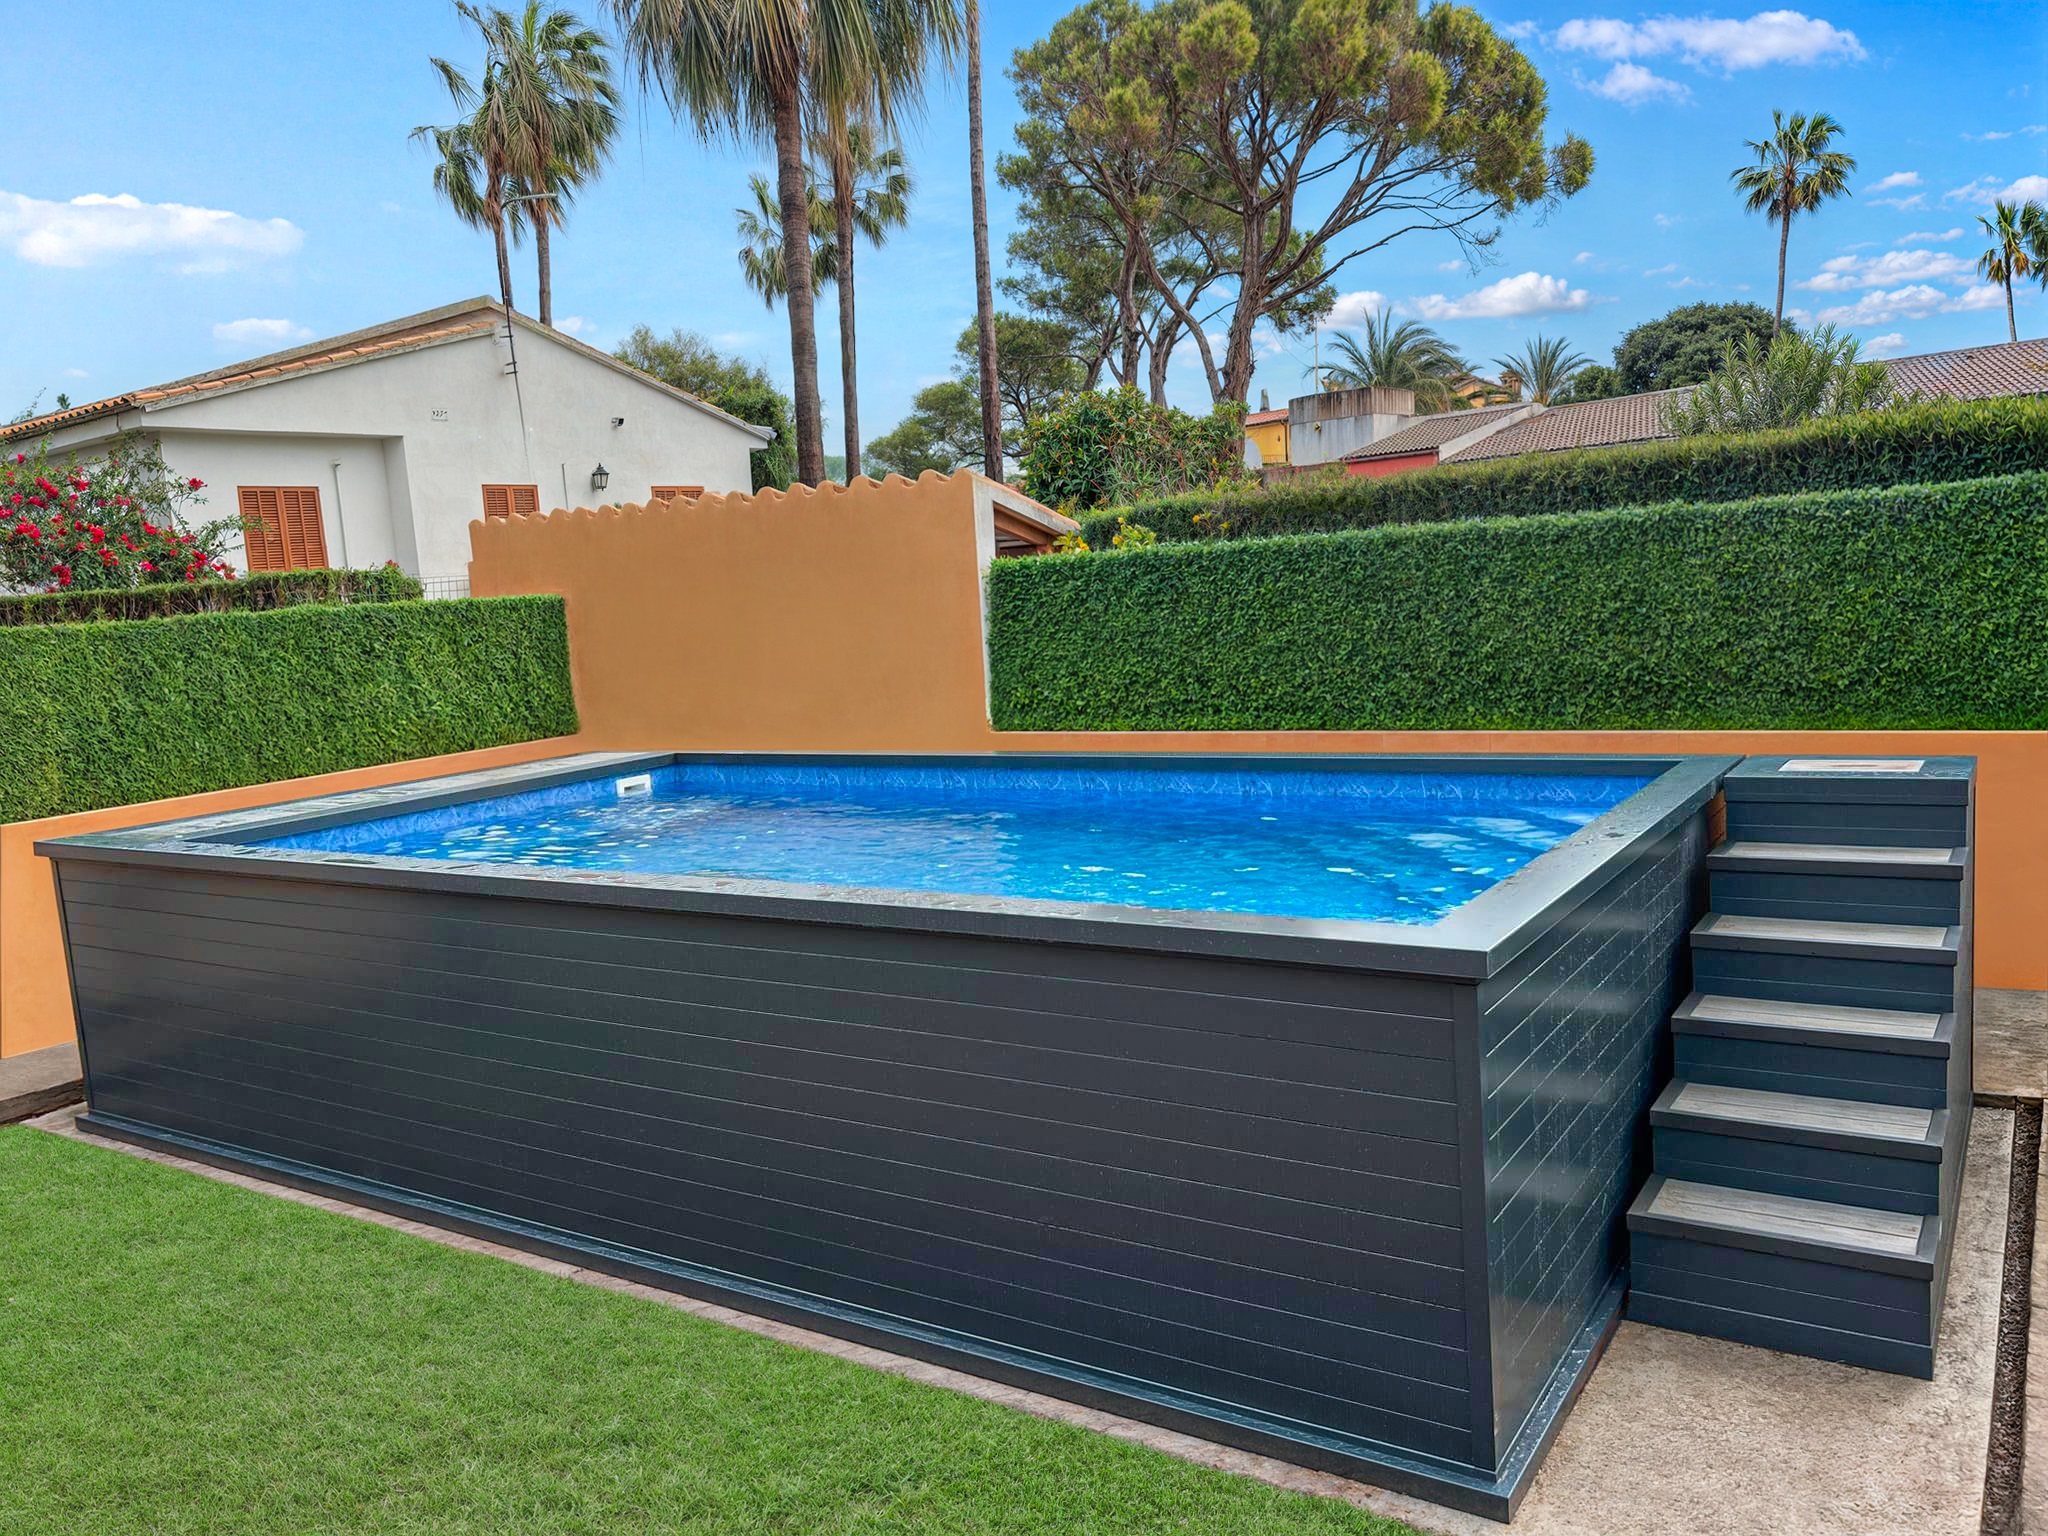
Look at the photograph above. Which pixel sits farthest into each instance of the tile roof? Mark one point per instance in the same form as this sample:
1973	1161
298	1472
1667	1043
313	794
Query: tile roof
1588	424
1976	373
1434	431
1261	418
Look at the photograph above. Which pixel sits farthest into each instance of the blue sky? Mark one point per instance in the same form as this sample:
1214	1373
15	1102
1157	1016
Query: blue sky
269	193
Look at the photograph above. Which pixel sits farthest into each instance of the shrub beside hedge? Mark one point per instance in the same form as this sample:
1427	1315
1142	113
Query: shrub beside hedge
263	590
1940	441
94	715
1921	606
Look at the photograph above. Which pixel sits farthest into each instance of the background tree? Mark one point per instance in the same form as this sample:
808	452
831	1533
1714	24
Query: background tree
1219	120
686	361
984	289
549	78
1759	387
1039	369
867	186
760	232
942	431
2019	250
1546	366
1595	381
1685	346
1795	172
1405	356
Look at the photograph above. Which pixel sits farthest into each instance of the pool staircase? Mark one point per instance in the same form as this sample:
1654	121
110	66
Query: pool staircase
1808	1151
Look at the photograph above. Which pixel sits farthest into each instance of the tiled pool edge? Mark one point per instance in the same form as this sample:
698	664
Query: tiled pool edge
1481	948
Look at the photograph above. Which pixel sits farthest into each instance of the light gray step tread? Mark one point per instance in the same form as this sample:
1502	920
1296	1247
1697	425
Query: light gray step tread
1814	1221
1837	853
1894	1023
1807	930
1891	1122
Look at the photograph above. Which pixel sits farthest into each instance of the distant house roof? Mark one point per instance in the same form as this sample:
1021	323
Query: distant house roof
1588	424
473	317
1435	430
1976	373
1261	418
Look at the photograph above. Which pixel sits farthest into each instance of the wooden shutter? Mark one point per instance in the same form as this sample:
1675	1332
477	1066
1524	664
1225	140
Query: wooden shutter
670	492
281	528
511	501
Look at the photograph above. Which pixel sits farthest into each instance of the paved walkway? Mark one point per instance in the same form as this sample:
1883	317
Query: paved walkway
37	1081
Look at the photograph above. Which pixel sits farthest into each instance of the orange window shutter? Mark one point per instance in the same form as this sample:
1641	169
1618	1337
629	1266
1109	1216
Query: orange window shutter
263	527
305	538
497	501
671	492
526	500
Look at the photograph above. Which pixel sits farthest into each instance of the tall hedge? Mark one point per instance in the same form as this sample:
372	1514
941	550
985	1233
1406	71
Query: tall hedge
109	714
260	590
1920	606
1940	441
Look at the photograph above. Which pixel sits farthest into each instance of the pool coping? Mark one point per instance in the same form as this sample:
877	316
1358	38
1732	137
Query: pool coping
1472	942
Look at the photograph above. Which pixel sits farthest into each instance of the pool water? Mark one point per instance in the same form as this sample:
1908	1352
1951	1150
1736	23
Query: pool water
1315	843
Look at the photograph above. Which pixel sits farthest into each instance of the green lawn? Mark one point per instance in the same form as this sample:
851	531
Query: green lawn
177	1355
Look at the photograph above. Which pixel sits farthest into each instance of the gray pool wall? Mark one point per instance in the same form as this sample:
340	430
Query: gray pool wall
1351	1194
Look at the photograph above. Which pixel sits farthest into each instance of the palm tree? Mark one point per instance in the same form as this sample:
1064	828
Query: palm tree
2019	250
869	190
549	79
473	172
1795	172
760	231
984	286
1545	366
1405	356
752	70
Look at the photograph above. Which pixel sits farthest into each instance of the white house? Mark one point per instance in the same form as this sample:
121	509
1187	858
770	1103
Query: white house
386	443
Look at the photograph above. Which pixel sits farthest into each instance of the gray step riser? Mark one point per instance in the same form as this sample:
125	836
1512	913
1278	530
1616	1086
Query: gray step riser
1873	1352
1830	1284
1795	978
1895	826
1909	1325
1868	1076
1872	1181
1836	898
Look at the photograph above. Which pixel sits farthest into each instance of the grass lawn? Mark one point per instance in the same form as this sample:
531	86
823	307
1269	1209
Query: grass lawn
178	1355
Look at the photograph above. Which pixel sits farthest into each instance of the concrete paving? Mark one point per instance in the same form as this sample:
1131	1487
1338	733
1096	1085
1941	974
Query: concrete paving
37	1081
2011	1043
1674	1434
2034	1483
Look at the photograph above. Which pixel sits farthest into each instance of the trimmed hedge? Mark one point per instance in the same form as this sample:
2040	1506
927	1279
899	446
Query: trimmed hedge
1941	441
1917	607
94	715
263	590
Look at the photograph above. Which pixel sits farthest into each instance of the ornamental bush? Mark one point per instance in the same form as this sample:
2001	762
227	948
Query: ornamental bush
1116	446
1936	441
112	522
113	714
1914	607
265	589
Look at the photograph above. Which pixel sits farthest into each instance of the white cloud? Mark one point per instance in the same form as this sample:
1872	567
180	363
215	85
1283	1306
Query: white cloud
1841	274
1996	134
1583	256
1450	266
248	333
574	325
1913	302
1937	236
1632	85
95	228
1530	293
1896	179
1884	346
76	373
1666	220
1769	37
1903	204
1354	309
1669	266
1520	31
1686	282
1987	189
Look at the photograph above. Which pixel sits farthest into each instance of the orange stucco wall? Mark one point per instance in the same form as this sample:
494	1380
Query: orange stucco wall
35	989
849	619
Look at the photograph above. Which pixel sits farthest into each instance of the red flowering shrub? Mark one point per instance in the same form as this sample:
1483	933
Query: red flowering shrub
115	521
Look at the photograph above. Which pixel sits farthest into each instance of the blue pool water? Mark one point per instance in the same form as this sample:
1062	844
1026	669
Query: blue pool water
1375	845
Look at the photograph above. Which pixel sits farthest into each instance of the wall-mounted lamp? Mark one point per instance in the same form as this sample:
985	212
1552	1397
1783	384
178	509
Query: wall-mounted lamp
600	477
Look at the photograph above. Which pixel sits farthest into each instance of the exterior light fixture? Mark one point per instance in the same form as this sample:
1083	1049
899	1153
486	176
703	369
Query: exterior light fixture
600	477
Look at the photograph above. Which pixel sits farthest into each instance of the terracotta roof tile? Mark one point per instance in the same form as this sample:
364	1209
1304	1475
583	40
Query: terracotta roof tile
1434	431
1588	424
1261	418
1976	373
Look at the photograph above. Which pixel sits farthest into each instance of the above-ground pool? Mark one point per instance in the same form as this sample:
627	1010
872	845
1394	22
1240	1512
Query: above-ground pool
1362	844
1296	1102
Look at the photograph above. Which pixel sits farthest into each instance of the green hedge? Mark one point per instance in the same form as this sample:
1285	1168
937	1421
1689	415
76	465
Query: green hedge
1908	608
265	590
1941	441
109	714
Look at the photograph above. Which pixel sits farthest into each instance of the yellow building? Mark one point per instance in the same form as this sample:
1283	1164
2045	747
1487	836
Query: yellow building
1267	432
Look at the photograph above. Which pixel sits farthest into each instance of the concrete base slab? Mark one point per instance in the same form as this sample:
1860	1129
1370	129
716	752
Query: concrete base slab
38	1081
1674	1434
2011	1043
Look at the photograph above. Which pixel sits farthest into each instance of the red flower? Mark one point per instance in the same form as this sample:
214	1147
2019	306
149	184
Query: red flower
195	484
148	565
